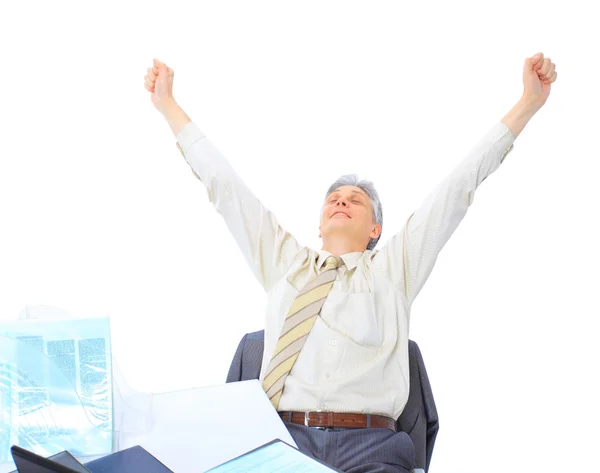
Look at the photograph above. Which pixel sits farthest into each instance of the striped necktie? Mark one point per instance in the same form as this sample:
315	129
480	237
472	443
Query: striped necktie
298	322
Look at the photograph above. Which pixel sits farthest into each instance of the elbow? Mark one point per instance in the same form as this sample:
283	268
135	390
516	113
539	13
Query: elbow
468	197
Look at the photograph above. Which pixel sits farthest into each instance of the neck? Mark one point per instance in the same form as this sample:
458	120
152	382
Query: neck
339	247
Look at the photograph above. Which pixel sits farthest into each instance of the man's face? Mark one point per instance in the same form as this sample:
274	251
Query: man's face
348	212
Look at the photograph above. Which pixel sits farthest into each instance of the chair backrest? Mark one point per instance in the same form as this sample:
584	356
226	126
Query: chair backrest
419	418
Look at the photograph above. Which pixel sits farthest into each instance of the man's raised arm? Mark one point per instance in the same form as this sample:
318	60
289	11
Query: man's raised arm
267	247
409	256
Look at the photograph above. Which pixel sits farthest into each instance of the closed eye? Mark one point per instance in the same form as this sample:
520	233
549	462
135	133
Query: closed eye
353	201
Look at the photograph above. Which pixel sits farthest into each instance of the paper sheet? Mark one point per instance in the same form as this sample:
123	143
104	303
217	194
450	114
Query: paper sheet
194	430
274	457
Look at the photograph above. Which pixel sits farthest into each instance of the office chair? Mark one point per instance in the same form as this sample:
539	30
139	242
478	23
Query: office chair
419	419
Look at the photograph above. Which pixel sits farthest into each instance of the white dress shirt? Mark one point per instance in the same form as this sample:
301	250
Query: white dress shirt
355	359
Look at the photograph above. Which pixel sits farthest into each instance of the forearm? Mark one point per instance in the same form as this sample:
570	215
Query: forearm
519	116
267	247
175	116
432	224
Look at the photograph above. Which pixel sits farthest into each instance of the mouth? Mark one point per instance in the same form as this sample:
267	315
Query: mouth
340	213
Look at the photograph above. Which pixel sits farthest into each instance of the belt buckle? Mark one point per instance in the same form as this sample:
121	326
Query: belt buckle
307	420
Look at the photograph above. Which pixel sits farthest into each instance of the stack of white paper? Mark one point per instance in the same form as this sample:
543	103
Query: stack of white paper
197	429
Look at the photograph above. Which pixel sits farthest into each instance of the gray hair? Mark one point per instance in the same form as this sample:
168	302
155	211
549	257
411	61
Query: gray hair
369	189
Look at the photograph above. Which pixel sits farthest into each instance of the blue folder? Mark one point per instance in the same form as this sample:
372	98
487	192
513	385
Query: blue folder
133	459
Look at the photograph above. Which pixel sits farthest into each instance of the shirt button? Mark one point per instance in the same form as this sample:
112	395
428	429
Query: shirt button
333	342
328	375
322	405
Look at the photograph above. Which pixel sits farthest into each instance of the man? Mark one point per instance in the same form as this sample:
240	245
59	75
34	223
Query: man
336	334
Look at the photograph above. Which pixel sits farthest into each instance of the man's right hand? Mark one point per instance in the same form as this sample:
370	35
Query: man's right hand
159	81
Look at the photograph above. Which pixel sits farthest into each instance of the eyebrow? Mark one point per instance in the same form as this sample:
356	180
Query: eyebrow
353	191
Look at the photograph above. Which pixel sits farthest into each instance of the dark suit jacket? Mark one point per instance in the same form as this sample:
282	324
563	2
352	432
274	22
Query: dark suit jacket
419	418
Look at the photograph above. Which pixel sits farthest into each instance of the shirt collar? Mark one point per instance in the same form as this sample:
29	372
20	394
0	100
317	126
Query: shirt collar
350	259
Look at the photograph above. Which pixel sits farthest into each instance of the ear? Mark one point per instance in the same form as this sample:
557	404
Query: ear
376	231
319	231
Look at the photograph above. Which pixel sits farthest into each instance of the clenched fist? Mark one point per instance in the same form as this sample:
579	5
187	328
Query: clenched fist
159	81
538	75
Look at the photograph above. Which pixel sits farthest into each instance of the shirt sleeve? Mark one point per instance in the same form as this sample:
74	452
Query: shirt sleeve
409	256
267	247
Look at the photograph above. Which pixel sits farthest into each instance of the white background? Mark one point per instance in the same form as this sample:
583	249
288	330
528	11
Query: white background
100	214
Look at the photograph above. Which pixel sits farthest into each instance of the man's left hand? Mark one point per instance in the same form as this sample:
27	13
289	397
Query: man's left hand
538	75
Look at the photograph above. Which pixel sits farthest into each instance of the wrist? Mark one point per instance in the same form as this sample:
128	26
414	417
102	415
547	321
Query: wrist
169	108
175	116
528	105
520	114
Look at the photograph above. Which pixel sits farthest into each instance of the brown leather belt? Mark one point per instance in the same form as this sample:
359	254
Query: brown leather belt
334	419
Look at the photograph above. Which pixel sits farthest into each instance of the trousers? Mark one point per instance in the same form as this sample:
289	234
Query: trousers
356	450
